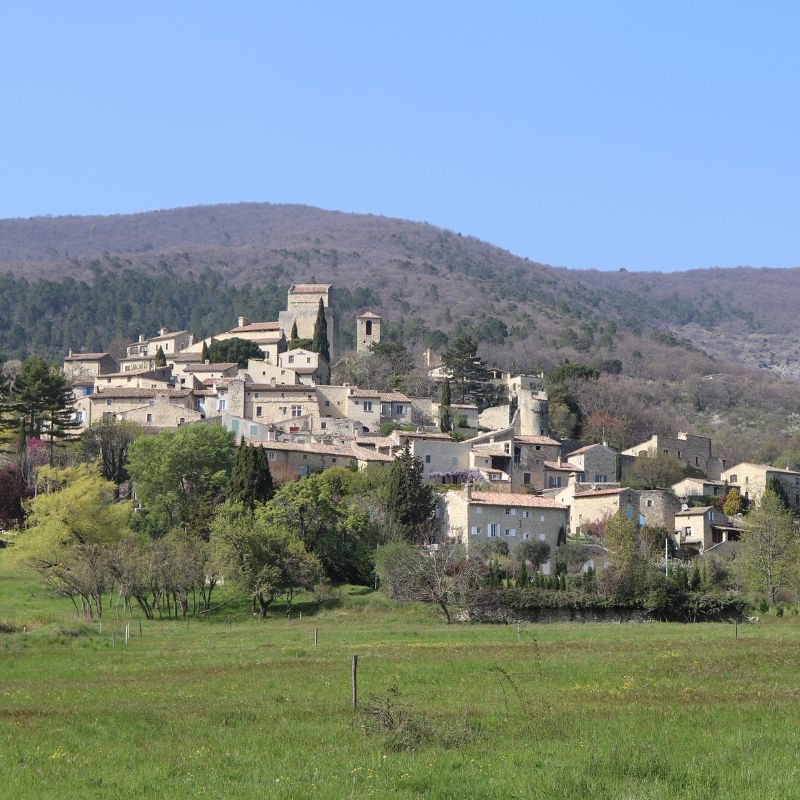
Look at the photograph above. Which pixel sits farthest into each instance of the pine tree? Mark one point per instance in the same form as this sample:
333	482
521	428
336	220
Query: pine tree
251	480
445	412
408	498
161	359
319	343
58	416
204	353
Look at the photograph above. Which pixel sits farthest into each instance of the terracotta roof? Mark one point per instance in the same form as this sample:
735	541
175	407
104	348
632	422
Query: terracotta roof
122	392
509	499
424	435
463	405
82	381
306	370
280	387
369	393
393	397
257	326
327	449
309	288
564	466
378	441
270	338
205	392
491	448
221	367
130	372
691	512
535	440
86	356
369	315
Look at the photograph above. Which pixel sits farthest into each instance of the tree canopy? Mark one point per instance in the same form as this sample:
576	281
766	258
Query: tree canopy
234	351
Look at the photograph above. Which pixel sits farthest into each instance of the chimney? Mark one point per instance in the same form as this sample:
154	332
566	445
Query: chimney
573	479
427	356
141	337
162	331
70	353
559	459
243	321
468	491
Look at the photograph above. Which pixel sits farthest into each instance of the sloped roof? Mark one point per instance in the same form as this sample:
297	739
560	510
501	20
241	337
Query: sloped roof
164	336
221	367
367	393
601	492
124	393
369	315
309	288
253	327
280	387
344	451
536	440
393	397
86	356
564	466
585	449
514	499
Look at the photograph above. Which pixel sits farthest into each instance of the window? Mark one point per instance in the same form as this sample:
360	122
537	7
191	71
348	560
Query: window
541	536
526	478
733	479
679	453
284	409
526	514
511	512
554	482
291	359
368	405
368	327
254	430
649	504
538	447
149	418
334	459
526	536
297	411
511	532
399	409
305	457
271	455
182	421
323	425
476	530
427	458
600	478
108	403
222	405
327	403
494	529
541	519
258	411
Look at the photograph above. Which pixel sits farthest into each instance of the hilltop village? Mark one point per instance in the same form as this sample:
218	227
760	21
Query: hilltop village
502	474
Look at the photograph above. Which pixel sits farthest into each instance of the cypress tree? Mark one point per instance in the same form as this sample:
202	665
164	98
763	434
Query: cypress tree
251	479
294	334
320	344
265	488
408	498
522	576
204	353
161	359
445	413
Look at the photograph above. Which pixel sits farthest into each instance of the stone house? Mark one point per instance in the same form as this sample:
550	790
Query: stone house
153	378
303	459
85	367
263	371
308	366
657	508
113	402
703	527
163	412
752	480
396	406
141	354
691	451
362	406
597	462
438	452
204	371
699	487
474	517
467	411
593	507
557	473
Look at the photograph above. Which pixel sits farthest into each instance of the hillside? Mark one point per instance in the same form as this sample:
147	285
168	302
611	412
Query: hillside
86	281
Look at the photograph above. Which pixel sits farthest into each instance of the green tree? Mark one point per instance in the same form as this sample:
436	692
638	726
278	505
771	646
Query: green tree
533	550
770	546
161	359
180	475
469	375
234	351
409	500
321	511
572	370
38	388
320	343
58	416
624	556
294	334
263	559
107	441
445	412
251	479
775	486
733	503
204	354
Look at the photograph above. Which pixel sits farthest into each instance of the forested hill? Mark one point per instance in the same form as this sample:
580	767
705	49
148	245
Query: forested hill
93	282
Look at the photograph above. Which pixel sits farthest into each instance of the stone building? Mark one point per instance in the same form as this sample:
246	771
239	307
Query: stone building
691	451
703	528
752	480
475	517
302	306
368	331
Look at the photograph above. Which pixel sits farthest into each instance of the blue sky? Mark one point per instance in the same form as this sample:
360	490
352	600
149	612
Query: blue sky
607	135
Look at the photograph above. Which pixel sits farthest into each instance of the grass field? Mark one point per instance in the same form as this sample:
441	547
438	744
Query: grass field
236	708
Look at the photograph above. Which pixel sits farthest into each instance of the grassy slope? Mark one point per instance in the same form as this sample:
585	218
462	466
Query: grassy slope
255	710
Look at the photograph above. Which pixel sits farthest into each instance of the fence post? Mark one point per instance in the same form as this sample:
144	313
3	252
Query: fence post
316	633
355	681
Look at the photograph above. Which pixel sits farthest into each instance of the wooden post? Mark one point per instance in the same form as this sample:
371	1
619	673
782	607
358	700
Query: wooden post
736	627
355	681
127	632
140	627
301	615
518	633
316	633
113	639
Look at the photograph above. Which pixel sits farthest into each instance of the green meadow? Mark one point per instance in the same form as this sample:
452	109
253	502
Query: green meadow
227	706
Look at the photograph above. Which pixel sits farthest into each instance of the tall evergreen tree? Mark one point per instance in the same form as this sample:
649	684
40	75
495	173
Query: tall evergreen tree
320	343
469	374
251	479
204	353
161	359
409	500
294	335
39	390
445	412
58	416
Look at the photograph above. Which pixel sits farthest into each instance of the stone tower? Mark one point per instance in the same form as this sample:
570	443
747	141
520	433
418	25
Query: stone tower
368	330
302	305
532	413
